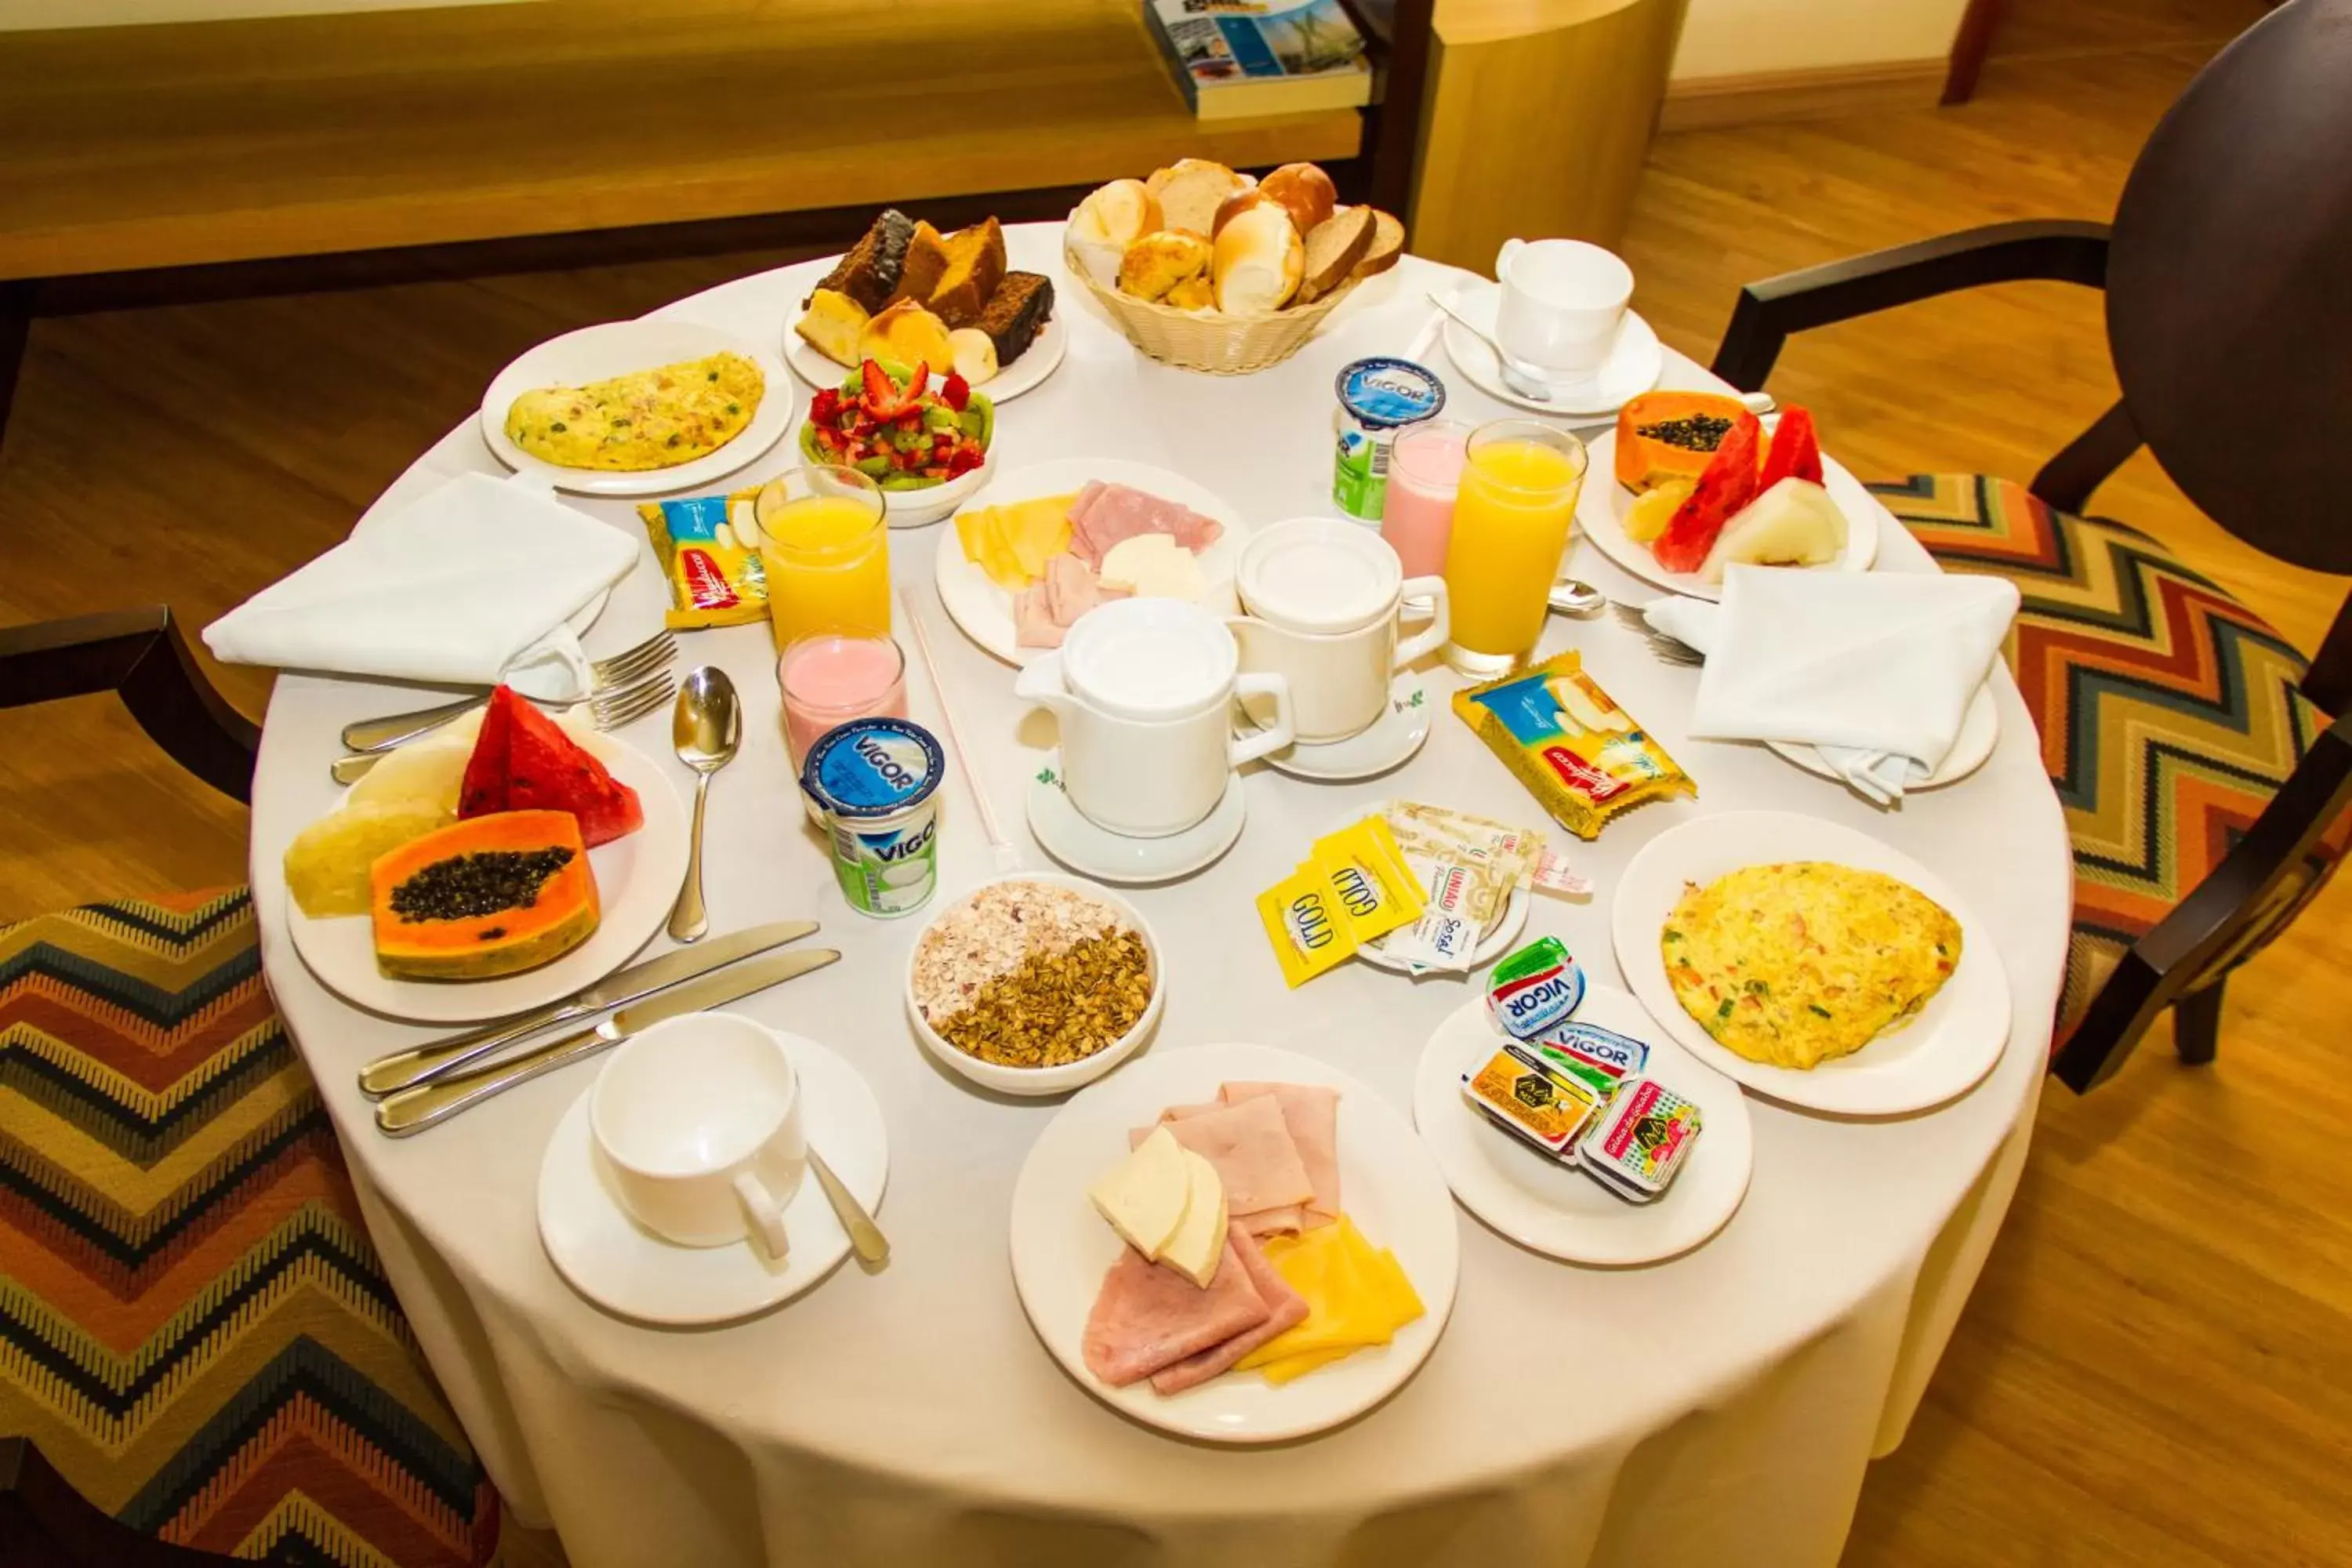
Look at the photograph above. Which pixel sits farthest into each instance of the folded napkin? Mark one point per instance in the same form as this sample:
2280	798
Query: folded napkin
467	585
1874	671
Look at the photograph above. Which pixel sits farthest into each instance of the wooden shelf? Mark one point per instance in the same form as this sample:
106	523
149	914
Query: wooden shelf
171	145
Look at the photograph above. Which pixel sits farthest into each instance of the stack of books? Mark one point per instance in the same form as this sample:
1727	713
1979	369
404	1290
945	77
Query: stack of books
1235	58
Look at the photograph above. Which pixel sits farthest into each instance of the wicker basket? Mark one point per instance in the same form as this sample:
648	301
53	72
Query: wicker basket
1206	340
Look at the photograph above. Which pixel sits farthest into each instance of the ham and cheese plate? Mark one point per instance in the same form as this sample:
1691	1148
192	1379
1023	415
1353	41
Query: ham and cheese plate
1055	538
1234	1243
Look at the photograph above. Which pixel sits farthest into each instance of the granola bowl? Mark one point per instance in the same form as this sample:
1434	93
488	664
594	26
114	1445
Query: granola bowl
1036	983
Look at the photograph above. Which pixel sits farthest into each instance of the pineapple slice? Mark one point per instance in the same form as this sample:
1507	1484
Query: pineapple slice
1654	508
327	863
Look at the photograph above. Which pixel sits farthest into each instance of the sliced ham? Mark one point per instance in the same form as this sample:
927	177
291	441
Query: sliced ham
1104	515
1251	1147
1286	1309
1043	612
1147	1316
1269	1222
1311	1114
1033	619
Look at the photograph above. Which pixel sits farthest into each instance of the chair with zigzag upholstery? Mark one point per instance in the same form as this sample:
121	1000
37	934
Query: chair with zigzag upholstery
2190	745
201	1360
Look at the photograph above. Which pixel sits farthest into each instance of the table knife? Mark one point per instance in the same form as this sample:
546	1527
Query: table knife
429	1104
420	1064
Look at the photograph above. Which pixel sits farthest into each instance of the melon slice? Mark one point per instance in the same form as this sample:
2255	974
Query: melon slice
1794	523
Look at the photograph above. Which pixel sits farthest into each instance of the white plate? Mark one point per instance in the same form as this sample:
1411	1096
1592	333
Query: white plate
1980	728
1600	517
1556	1209
1089	848
1634	364
1392	739
984	611
616	348
1037	361
1942	1052
1387	1183
603	1255
638	879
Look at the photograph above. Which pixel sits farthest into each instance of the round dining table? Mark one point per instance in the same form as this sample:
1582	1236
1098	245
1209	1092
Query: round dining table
1718	1408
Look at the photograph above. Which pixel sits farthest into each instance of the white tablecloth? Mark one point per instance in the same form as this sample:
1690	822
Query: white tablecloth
1717	1409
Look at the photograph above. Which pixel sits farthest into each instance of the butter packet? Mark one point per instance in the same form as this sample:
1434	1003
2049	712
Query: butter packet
708	547
1581	756
1373	886
1303	919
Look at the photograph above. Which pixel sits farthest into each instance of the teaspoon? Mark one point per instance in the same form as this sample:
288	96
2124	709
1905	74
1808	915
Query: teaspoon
705	727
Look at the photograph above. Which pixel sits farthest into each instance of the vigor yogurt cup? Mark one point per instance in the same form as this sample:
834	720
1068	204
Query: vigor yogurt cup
877	781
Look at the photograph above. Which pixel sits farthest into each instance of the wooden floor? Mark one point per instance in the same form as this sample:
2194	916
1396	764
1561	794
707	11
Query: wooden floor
2156	1369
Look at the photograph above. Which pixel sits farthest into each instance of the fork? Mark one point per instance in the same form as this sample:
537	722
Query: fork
607	709
1670	651
607	677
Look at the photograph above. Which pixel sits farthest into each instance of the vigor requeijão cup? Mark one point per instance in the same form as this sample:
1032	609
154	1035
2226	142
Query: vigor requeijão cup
1325	602
1143	691
697	1121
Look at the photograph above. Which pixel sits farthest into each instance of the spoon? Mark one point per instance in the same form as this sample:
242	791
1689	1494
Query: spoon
1528	381
867	1236
706	728
1571	597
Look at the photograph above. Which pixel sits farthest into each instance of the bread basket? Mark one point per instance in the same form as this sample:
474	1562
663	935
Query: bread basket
1208	339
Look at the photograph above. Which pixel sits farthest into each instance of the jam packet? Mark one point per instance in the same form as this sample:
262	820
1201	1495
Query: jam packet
1638	1144
708	547
1580	755
1533	1103
1306	925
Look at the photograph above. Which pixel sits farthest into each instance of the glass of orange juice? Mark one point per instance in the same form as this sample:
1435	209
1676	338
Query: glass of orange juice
825	549
1519	485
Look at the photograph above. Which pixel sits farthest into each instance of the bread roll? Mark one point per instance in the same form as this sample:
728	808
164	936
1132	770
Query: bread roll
1304	190
1259	261
1158	262
1388	244
1109	219
1192	294
1191	190
1234	206
1333	248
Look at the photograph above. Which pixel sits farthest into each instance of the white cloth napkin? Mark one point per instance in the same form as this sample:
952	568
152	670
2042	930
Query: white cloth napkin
1874	671
467	585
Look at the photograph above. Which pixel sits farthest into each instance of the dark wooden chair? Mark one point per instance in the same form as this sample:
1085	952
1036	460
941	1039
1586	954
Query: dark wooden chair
214	1368
2205	787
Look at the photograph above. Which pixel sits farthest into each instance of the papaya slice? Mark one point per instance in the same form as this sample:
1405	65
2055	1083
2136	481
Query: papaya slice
1667	436
524	761
1725	488
488	896
1795	452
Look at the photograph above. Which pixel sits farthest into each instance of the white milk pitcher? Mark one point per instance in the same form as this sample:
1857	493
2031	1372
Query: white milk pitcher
1562	302
1325	602
1143	690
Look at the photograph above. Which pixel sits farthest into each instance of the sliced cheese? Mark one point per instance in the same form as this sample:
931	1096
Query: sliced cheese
1154	566
1143	1196
1356	1296
1037	530
1198	1244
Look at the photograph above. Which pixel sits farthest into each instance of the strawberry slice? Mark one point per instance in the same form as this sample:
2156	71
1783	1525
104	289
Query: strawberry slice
1728	485
878	392
1795	452
955	392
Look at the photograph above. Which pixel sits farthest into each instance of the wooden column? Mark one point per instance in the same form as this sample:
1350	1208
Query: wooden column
1536	119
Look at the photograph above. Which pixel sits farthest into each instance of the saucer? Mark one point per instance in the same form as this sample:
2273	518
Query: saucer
1980	728
604	1256
1094	851
1634	364
1391	741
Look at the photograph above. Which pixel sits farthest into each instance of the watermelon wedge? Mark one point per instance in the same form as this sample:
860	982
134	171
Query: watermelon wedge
1727	486
535	766
1795	452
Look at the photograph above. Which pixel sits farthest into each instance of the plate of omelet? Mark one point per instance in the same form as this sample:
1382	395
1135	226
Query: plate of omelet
1812	962
637	408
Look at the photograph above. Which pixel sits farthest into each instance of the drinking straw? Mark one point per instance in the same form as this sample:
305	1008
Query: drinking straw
1008	858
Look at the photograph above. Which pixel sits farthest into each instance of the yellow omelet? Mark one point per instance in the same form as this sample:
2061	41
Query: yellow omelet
1797	964
647	419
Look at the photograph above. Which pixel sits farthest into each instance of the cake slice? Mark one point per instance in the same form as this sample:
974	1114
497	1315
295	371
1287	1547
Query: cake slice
869	273
1016	313
926	264
975	265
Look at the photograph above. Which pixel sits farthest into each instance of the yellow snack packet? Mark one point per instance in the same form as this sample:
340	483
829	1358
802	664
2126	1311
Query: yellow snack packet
1375	891
1581	756
708	547
1304	921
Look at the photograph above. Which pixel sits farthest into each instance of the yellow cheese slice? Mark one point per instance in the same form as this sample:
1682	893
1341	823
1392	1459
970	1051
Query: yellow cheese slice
1299	1365
1356	1296
1038	530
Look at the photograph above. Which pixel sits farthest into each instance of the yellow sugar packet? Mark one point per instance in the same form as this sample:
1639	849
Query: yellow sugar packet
1303	919
1375	889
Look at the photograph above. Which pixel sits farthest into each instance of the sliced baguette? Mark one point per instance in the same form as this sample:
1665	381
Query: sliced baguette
1334	247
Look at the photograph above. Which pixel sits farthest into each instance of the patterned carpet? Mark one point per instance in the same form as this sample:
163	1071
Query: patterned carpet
194	1327
2168	711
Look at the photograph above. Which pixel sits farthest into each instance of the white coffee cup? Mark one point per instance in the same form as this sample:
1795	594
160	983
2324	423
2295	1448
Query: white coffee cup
1562	304
1325	601
1143	691
698	1123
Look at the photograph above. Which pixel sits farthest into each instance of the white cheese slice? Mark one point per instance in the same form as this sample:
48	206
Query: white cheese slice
1143	1195
1198	1244
1154	566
